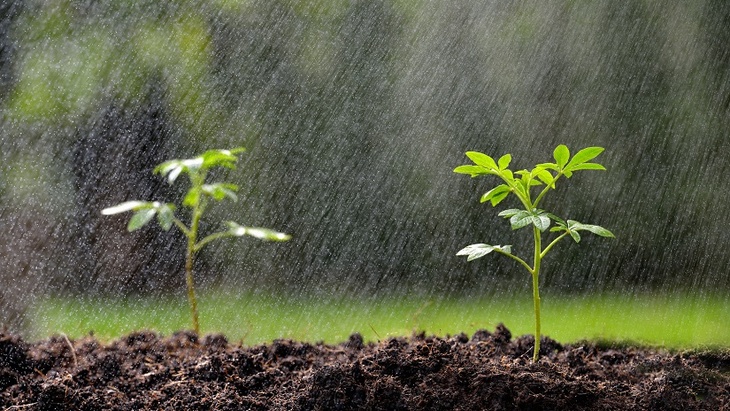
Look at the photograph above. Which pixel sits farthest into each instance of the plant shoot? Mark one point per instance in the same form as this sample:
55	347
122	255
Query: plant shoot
521	184
197	200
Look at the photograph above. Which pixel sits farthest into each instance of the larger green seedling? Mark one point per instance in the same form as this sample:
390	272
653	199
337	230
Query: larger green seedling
521	183
197	200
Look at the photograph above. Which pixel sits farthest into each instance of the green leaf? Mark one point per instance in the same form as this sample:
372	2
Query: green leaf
496	195
498	198
584	155
192	198
561	155
595	229
173	168
219	191
504	161
140	218
472	170
258	232
544	176
475	251
124	207
482	159
509	212
507	174
557	219
549	166
220	158
165	216
541	221
588	166
574	235
521	219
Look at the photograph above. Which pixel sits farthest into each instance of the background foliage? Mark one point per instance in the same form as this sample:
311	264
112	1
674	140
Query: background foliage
354	113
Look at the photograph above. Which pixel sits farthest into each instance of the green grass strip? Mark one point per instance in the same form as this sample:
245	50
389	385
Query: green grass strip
671	321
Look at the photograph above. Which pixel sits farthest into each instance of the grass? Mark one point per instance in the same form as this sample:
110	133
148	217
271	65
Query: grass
660	320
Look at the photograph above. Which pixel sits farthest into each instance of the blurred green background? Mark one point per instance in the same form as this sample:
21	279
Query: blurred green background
354	114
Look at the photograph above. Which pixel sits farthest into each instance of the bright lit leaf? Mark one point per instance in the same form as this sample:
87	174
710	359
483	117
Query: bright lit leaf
504	161
496	195
588	166
472	170
475	251
124	207
561	155
482	159
584	155
257	232
219	191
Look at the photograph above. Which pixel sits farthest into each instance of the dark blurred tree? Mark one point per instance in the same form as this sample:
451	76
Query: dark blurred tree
113	158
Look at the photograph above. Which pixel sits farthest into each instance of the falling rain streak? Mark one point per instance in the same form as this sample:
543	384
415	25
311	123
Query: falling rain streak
354	115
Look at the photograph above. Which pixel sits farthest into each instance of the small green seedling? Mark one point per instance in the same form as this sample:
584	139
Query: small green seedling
520	183
197	200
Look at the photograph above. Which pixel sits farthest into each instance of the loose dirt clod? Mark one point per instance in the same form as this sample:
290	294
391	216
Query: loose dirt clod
145	371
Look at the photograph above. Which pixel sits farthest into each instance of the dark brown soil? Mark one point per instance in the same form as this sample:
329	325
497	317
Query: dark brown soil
489	371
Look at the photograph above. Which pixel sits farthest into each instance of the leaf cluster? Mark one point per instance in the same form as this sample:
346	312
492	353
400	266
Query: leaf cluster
521	183
196	197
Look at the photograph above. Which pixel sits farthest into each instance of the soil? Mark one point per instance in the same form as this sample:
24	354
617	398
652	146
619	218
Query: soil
487	371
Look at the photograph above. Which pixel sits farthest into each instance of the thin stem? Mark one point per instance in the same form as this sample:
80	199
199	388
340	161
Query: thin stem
518	259
191	286
536	291
555	241
181	226
547	188
210	238
192	235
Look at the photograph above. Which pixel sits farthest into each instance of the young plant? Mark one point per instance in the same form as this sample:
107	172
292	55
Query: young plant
521	183
197	200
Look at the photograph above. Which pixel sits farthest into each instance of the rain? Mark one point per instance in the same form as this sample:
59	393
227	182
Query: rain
353	115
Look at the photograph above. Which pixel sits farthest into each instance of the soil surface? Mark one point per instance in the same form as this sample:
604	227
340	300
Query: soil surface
487	371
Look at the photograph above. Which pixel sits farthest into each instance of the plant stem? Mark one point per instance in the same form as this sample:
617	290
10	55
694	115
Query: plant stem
536	290
192	235
191	285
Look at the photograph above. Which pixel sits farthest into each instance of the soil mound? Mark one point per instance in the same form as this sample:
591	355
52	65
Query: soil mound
489	371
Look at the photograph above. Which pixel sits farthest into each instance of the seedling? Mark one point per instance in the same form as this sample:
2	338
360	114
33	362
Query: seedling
197	200
520	183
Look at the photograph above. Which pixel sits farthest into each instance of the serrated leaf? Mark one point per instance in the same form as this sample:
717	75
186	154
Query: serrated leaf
595	229
574	235
504	161
482	159
544	176
496	191
219	191
472	170
257	232
124	207
475	251
521	219
557	219
498	198
507	174
584	155
549	166
140	218
509	212
541	221
219	158
561	155
588	166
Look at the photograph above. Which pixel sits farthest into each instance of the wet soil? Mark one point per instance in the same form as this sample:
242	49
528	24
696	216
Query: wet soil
487	371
